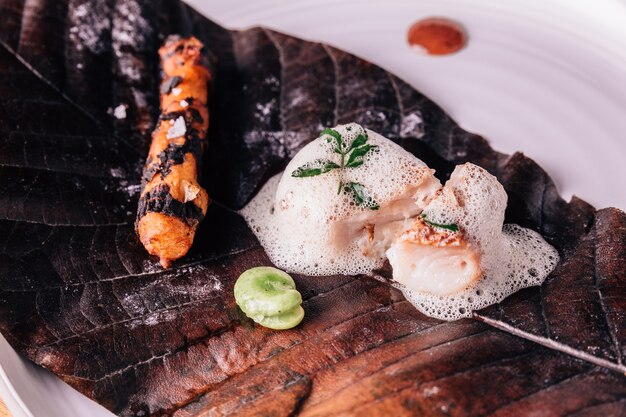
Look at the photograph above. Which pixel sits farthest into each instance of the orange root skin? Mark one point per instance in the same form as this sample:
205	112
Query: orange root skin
184	89
165	236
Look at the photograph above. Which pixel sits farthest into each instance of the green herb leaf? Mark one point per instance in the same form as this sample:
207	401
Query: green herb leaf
337	139
360	140
355	164
355	153
452	227
317	167
360	195
356	157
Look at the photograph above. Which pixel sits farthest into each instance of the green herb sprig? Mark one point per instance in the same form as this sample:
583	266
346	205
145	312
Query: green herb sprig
360	195
351	156
452	227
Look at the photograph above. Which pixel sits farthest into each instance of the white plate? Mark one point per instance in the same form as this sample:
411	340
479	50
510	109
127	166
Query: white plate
545	77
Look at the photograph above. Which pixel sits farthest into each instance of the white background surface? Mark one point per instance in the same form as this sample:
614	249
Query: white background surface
545	77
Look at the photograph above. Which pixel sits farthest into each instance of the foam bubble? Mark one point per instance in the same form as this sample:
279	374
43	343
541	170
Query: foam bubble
312	226
512	257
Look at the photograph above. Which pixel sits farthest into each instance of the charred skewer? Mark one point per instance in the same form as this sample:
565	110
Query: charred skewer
172	202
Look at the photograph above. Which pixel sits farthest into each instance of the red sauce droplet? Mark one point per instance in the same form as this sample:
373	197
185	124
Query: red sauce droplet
437	36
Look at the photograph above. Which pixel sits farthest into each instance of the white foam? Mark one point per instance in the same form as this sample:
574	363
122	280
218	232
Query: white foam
306	226
512	257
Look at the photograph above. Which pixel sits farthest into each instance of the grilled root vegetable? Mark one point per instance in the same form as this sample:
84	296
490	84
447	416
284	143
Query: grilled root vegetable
432	260
172	202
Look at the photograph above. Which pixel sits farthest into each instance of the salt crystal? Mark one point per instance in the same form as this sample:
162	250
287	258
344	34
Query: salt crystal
191	191
120	112
176	91
178	129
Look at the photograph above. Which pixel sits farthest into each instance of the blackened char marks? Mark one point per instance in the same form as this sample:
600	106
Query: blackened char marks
190	114
173	155
160	200
171	82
